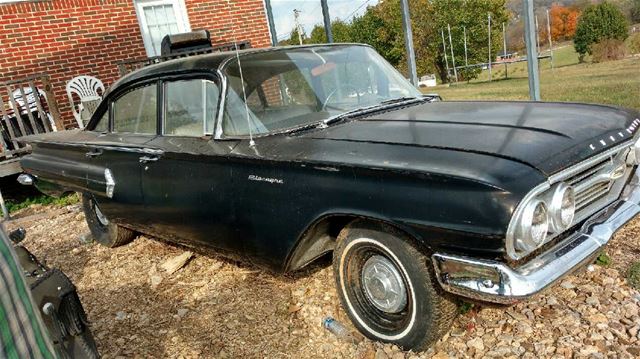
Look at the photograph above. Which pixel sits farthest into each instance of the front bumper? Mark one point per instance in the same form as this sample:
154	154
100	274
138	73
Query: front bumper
497	282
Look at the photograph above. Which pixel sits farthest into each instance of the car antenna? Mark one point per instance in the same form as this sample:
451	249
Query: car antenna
252	143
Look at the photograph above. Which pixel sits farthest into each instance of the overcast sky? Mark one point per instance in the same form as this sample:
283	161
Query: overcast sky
312	13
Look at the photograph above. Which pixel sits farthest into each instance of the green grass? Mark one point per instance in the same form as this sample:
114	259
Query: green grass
43	200
604	259
614	82
634	275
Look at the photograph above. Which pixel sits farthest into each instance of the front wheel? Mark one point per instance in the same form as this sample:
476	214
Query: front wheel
104	231
387	287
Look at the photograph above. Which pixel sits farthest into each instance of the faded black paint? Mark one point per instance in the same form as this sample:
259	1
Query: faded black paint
450	173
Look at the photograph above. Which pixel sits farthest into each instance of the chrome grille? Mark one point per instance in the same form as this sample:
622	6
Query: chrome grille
600	183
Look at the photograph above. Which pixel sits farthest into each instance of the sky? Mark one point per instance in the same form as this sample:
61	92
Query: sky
312	13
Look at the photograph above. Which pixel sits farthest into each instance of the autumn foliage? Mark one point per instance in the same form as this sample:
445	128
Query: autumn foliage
564	21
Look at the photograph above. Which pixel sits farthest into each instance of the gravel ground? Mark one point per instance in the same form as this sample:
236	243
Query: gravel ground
218	308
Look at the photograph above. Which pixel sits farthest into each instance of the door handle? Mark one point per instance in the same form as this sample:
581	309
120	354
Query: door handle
147	159
93	153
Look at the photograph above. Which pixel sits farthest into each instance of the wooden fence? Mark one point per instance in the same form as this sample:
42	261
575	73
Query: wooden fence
27	106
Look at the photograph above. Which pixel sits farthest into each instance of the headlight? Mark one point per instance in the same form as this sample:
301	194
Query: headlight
563	207
534	226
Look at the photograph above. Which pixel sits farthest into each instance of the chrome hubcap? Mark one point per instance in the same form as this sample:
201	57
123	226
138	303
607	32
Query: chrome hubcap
101	217
383	284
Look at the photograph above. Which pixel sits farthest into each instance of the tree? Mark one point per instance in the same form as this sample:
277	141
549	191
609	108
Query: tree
635	11
472	15
341	33
597	23
564	21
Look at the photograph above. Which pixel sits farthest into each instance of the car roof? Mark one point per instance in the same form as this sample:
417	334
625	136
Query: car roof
201	63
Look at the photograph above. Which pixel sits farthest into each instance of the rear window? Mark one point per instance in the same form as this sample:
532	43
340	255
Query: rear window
136	111
190	107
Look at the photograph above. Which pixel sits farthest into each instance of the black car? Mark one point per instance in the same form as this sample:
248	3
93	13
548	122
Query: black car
282	155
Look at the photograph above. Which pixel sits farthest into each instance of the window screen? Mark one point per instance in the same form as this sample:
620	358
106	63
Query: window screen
136	111
190	107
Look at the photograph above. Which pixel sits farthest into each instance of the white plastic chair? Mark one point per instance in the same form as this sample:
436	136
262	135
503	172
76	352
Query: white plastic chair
89	90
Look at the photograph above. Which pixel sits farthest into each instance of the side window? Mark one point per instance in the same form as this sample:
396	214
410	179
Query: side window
103	123
136	111
190	107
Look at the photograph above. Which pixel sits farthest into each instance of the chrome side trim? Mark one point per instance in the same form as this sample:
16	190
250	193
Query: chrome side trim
497	282
110	183
143	150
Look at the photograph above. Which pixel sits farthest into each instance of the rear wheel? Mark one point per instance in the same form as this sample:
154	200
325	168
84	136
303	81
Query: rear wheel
388	289
103	231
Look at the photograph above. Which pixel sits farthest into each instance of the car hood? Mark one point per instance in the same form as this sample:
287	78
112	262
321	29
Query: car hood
546	136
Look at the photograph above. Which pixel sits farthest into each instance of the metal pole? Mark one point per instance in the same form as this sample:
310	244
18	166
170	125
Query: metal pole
453	58
327	21
444	52
549	35
466	61
537	35
296	13
532	53
272	25
489	36
408	40
504	51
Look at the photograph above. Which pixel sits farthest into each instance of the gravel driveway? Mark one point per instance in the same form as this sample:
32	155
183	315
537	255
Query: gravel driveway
218	308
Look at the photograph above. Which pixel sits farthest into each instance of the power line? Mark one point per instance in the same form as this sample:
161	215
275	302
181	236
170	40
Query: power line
356	10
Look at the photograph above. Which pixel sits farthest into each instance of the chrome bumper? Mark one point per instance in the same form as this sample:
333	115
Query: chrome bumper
497	282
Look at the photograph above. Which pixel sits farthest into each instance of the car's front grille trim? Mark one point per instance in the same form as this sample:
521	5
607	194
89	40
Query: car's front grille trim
593	184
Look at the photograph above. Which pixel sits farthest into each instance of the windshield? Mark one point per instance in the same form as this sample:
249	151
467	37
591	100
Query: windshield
290	88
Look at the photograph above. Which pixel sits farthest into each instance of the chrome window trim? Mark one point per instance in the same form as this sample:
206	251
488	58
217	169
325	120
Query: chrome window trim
512	253
223	94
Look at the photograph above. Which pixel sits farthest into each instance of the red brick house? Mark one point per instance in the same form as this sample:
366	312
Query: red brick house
67	38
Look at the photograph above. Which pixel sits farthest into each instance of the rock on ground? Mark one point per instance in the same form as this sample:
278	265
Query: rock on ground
214	307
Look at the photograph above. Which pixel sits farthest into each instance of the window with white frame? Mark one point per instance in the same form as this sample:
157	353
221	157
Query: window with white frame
158	18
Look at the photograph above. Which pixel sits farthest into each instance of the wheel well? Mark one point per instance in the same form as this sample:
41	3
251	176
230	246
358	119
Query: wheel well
320	238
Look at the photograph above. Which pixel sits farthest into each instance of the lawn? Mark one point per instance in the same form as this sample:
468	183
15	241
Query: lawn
614	82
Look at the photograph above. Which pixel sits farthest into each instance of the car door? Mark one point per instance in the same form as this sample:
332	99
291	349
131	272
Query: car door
187	190
116	156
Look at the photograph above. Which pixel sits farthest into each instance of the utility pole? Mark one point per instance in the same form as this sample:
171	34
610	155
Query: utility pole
327	21
272	25
537	35
296	14
532	53
453	58
444	52
408	41
549	35
504	51
466	61
489	35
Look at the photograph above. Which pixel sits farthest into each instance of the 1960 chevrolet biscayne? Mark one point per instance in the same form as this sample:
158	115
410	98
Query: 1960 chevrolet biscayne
281	155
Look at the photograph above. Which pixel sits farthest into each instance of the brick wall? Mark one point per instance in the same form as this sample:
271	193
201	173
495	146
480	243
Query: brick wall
67	38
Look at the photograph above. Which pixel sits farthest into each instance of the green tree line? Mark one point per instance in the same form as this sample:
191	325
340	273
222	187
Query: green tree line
381	27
